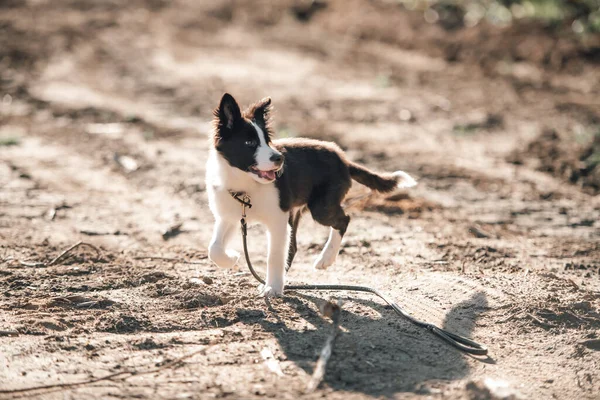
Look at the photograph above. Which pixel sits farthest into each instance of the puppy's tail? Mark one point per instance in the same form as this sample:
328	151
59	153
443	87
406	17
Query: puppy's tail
382	182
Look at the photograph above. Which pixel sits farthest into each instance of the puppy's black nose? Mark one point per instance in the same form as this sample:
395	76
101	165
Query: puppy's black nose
277	158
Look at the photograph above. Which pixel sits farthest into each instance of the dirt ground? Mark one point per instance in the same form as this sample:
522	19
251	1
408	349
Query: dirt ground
105	114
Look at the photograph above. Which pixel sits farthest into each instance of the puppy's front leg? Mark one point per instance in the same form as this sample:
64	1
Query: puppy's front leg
278	237
217	251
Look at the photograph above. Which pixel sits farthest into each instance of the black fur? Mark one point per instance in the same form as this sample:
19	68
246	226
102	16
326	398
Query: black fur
381	182
235	138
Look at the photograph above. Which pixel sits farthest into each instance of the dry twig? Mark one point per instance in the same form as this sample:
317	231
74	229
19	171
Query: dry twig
60	256
122	375
176	260
540	322
332	310
479	233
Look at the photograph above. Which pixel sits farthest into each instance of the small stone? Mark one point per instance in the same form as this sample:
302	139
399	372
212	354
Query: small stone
405	115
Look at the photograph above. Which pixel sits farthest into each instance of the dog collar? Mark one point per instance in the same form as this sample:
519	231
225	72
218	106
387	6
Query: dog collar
242	198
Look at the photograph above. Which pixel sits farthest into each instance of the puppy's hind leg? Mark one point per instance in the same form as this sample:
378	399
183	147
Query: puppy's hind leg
336	218
294	221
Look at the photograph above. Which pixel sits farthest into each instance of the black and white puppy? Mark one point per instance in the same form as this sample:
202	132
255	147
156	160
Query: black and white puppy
283	178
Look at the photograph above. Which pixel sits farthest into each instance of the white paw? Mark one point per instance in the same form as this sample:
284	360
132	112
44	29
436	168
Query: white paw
226	259
270	291
233	256
325	259
330	251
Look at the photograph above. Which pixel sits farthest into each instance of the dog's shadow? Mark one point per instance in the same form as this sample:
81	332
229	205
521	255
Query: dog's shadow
376	356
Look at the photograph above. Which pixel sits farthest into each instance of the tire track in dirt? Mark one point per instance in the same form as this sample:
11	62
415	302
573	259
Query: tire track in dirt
106	202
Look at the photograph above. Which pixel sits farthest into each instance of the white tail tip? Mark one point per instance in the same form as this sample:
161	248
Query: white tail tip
404	180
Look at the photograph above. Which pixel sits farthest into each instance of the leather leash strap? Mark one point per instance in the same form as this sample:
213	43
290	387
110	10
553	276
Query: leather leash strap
462	343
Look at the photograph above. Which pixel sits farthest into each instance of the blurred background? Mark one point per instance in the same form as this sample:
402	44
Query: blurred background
416	73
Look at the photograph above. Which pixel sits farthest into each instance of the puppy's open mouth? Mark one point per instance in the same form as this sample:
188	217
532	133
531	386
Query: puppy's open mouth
268	175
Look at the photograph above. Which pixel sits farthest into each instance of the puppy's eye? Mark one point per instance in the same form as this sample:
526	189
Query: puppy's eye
250	143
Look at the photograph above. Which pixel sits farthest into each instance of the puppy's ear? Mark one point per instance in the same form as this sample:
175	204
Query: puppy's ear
260	111
227	115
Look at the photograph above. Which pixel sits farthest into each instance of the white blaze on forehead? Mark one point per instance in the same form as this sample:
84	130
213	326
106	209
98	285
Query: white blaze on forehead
263	151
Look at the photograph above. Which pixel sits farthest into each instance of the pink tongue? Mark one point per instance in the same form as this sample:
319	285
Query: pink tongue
270	175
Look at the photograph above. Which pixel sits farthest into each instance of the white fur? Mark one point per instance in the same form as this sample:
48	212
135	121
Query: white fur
220	179
263	151
330	251
404	180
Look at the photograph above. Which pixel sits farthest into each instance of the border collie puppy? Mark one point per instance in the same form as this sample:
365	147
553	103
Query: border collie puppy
283	178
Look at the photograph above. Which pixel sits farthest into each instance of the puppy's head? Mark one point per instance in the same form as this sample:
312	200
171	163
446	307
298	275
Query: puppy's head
244	140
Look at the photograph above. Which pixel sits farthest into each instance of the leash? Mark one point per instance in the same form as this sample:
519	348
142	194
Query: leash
462	343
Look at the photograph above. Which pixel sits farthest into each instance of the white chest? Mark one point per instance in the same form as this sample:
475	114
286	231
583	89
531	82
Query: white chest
264	204
221	178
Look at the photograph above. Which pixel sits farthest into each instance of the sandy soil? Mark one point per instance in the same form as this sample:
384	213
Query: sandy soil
109	105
